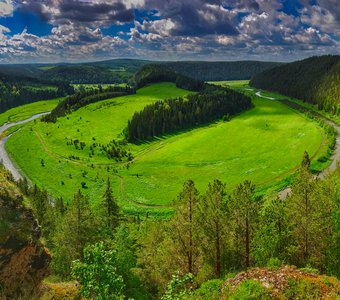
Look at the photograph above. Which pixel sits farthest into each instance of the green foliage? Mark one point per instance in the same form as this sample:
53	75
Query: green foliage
85	97
154	73
222	70
250	289
209	290
19	90
178	287
173	115
302	289
314	80
274	263
98	274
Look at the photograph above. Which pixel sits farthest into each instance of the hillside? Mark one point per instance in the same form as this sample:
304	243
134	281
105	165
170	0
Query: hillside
220	70
314	80
16	90
123	70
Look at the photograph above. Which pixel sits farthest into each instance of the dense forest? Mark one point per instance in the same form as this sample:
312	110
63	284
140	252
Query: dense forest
158	73
210	235
84	97
18	90
315	80
172	115
123	70
221	70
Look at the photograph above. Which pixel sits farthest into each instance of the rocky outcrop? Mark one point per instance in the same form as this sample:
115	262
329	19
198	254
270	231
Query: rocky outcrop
24	261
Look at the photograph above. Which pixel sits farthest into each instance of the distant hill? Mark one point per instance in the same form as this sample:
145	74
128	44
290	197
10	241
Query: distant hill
153	73
16	90
123	70
220	70
315	80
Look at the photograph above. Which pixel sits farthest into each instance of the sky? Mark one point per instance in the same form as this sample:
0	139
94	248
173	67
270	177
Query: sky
50	31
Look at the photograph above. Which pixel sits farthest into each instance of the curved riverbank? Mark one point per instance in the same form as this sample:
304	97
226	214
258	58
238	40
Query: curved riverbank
4	158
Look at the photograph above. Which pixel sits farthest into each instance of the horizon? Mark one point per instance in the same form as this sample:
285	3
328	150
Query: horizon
81	31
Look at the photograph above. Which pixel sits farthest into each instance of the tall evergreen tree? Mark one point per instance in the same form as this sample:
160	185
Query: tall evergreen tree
111	208
213	222
246	208
184	225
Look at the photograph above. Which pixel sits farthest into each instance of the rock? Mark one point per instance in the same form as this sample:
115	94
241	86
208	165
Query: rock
24	261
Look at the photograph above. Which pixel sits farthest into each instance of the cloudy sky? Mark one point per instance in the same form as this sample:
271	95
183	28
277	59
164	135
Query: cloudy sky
84	30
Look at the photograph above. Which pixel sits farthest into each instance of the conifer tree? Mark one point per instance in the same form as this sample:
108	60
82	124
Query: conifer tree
110	206
213	222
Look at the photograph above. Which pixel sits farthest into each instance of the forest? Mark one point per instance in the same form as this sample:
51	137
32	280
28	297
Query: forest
209	235
172	115
314	80
221	70
84	97
18	90
159	73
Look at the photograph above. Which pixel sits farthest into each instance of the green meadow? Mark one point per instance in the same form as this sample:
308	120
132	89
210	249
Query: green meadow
27	111
264	144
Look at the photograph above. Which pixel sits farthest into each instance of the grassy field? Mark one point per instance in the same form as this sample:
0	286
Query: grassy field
232	84
26	111
335	118
264	144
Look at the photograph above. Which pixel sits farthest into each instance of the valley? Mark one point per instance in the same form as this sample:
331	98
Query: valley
264	144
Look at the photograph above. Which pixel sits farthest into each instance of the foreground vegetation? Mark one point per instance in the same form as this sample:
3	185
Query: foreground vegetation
210	236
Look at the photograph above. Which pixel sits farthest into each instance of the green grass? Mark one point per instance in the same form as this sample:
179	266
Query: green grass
26	111
335	118
232	84
264	144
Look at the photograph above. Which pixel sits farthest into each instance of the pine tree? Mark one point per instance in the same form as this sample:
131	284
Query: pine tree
213	222
184	227
246	208
111	208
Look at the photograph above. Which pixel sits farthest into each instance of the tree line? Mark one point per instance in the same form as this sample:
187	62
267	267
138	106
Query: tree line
171	115
152	73
16	91
209	235
84	97
315	80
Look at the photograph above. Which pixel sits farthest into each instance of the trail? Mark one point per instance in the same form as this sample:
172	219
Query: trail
335	158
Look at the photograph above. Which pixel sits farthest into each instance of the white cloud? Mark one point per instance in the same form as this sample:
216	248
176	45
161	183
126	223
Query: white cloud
6	8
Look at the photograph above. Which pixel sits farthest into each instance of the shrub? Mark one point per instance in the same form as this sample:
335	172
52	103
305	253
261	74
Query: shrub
250	289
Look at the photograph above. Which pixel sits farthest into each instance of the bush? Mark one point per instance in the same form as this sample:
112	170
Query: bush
302	289
250	289
274	263
98	273
209	290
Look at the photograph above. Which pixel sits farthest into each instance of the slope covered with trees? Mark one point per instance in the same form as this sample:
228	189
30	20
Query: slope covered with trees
314	80
85	97
220	70
18	90
158	73
172	115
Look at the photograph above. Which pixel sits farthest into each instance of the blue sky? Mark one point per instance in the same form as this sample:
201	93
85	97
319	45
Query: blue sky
85	30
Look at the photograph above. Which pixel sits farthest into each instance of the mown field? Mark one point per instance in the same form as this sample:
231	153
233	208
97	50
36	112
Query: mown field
264	144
